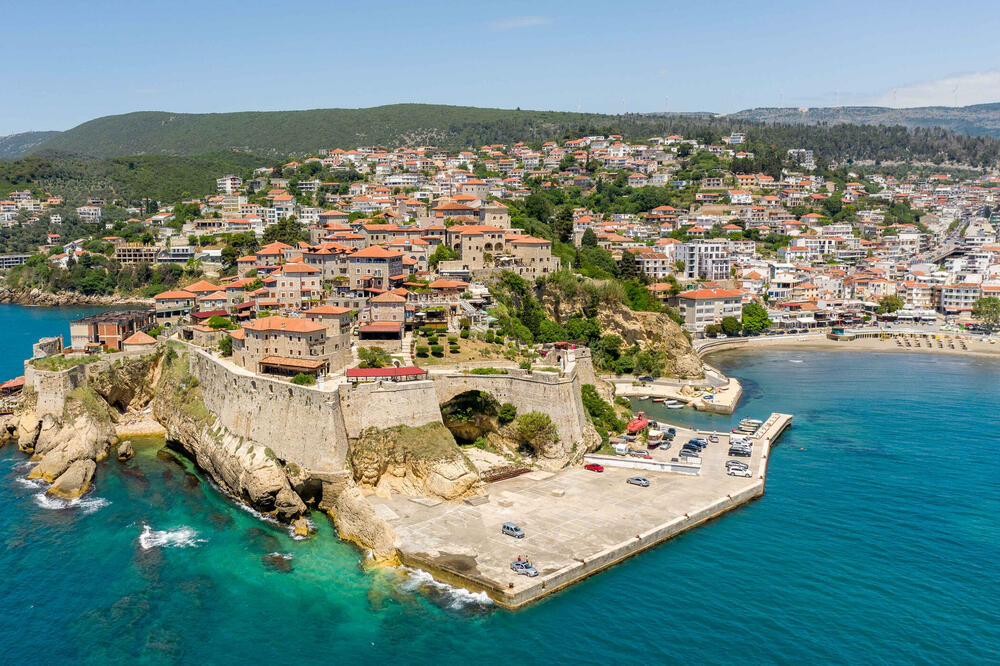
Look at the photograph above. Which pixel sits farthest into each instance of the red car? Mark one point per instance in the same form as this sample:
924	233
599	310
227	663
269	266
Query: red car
594	467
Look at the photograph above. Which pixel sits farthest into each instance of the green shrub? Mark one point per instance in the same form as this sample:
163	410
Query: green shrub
490	336
452	339
524	365
422	351
432	340
485	371
302	379
437	350
465	334
506	413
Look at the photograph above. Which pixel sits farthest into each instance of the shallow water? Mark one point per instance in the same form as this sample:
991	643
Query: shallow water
876	542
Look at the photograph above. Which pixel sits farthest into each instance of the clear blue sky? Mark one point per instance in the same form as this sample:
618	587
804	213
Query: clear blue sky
67	62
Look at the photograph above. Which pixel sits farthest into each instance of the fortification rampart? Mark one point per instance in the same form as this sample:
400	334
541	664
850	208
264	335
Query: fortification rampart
386	404
556	394
299	424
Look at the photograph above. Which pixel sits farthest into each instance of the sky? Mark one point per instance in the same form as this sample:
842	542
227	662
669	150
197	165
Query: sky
64	63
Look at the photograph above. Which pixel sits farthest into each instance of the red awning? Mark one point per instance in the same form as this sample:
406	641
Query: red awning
406	371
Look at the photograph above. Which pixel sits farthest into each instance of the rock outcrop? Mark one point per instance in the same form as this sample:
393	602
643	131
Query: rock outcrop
125	450
422	460
651	330
31	296
356	521
84	432
75	481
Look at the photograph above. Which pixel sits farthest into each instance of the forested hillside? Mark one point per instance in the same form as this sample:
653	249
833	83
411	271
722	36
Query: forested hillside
281	133
127	178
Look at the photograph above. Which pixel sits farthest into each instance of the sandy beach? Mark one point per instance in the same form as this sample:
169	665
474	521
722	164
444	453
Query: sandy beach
945	344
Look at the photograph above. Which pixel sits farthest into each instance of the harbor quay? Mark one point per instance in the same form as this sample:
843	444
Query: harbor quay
576	522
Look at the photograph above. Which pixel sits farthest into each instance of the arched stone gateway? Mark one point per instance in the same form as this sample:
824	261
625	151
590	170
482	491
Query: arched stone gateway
555	394
471	415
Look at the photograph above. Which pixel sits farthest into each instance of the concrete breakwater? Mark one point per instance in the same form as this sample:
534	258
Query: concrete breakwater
577	522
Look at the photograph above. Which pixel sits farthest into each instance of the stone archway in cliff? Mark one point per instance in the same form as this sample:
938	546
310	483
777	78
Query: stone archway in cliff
470	415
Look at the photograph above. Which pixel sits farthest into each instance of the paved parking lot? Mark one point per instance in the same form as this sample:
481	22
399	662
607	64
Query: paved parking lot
567	516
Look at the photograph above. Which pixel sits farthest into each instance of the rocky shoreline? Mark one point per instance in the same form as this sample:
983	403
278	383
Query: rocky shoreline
24	296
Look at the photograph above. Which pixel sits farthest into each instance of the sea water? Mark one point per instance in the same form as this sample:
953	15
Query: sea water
877	541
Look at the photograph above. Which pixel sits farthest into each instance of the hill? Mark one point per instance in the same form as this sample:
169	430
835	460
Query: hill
278	134
281	133
161	177
977	120
15	145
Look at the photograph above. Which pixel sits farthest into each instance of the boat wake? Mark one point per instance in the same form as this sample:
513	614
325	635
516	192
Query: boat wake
455	598
87	505
183	537
795	360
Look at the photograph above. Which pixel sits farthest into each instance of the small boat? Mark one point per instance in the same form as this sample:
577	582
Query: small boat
643	397
628	438
673	404
654	439
638	424
659	400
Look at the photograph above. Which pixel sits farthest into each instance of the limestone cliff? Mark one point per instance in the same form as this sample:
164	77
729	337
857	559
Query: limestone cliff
649	329
66	446
247	470
423	460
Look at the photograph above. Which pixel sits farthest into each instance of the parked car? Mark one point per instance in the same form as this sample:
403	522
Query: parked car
523	568
646	378
739	471
745	453
671	431
736	463
638	481
510	529
594	467
713	438
664	446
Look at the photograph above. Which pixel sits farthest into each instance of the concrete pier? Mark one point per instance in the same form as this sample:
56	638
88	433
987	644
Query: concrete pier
576	522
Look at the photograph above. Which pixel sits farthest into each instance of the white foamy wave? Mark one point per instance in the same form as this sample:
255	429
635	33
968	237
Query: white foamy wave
24	465
30	483
795	360
87	505
183	537
453	597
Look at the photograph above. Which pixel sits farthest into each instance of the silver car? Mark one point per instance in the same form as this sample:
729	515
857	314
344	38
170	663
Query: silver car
510	529
523	568
638	481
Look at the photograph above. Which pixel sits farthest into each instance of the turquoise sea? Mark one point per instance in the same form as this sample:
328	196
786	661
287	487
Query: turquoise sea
877	542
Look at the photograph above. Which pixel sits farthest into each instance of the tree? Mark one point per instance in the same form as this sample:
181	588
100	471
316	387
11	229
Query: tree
628	267
442	253
890	303
219	322
987	310
713	330
226	345
374	357
288	230
755	319
535	429
730	325
589	238
302	379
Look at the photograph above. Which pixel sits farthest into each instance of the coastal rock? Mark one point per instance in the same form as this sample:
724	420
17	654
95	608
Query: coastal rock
412	461
300	527
58	445
26	296
75	481
128	385
125	450
356	520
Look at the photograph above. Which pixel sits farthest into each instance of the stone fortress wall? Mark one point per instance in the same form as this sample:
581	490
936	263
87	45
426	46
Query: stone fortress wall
312	427
299	424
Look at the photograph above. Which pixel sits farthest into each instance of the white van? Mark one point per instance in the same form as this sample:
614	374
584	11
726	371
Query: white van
621	449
